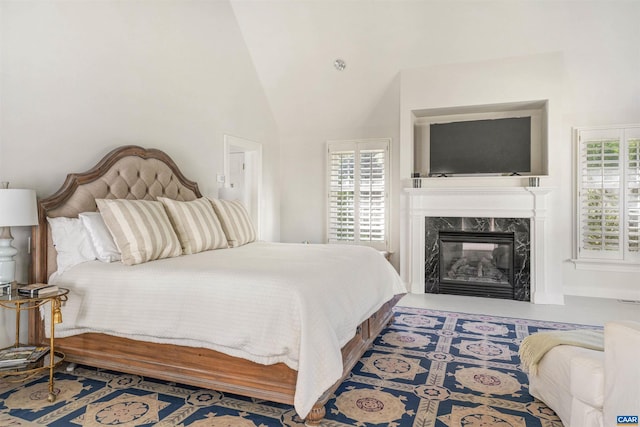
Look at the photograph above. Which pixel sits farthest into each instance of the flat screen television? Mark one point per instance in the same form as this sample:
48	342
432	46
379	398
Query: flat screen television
494	146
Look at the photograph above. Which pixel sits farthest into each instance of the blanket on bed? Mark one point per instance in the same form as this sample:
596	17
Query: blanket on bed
535	346
265	302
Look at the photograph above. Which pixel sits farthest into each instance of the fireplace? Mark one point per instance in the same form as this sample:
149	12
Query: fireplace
499	245
476	263
523	211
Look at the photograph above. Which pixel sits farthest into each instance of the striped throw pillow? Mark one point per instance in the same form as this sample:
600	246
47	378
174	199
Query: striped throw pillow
236	221
196	224
141	229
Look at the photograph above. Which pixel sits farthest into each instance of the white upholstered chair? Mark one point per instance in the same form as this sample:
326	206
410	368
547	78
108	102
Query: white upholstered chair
590	388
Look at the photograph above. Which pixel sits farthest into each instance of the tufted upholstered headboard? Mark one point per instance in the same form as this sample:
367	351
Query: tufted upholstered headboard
128	172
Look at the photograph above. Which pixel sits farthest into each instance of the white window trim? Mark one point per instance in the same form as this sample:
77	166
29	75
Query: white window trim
370	143
629	262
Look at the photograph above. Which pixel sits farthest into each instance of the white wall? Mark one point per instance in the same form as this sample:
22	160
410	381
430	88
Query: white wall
584	55
530	78
558	78
498	81
303	160
81	78
567	80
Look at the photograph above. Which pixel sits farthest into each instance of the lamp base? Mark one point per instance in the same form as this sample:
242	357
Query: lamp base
7	264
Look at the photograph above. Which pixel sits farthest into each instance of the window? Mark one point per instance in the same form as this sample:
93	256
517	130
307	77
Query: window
358	182
609	193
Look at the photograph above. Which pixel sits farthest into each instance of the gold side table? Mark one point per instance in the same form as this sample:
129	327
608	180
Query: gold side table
18	303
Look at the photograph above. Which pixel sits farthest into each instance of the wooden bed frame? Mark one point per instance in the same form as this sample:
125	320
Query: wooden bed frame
113	177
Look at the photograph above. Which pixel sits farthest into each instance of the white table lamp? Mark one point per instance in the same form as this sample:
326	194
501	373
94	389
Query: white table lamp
17	208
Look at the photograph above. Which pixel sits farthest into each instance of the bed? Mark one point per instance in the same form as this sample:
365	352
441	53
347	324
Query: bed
316	308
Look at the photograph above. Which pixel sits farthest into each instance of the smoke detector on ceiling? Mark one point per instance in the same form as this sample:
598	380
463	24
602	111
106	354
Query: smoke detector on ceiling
340	64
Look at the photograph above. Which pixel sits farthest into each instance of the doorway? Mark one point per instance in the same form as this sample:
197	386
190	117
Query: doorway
243	173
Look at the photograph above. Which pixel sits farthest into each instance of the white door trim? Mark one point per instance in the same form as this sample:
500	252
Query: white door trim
253	158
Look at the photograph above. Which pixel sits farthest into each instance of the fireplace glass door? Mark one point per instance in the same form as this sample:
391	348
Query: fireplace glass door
476	263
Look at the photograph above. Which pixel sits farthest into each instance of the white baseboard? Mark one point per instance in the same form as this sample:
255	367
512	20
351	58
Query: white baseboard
547	298
604	292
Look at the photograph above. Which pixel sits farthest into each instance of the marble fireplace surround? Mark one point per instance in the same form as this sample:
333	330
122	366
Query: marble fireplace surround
520	227
477	202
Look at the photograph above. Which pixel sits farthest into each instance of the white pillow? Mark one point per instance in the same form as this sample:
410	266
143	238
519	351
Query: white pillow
71	241
103	245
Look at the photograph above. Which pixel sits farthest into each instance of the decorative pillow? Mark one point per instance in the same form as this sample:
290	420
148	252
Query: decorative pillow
196	224
71	241
104	247
141	229
236	221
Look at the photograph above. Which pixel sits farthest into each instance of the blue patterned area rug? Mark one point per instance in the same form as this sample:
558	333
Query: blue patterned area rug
429	368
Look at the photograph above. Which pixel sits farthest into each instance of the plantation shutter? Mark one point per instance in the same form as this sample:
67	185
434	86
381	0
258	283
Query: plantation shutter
632	193
609	193
358	192
600	228
372	195
342	195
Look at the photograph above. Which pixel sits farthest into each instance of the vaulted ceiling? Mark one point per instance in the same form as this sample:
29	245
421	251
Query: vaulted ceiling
294	44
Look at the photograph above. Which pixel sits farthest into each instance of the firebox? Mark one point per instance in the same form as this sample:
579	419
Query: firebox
476	263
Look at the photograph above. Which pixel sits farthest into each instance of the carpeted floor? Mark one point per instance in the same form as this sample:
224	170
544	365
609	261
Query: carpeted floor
430	368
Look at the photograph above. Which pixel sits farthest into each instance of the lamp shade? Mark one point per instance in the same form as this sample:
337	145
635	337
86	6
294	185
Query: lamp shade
18	207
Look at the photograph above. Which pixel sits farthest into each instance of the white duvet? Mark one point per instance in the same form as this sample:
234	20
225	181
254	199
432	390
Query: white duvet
265	302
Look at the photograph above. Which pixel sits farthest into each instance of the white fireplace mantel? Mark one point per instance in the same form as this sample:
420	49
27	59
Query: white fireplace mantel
489	202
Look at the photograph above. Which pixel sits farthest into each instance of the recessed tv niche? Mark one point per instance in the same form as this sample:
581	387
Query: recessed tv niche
490	146
481	140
